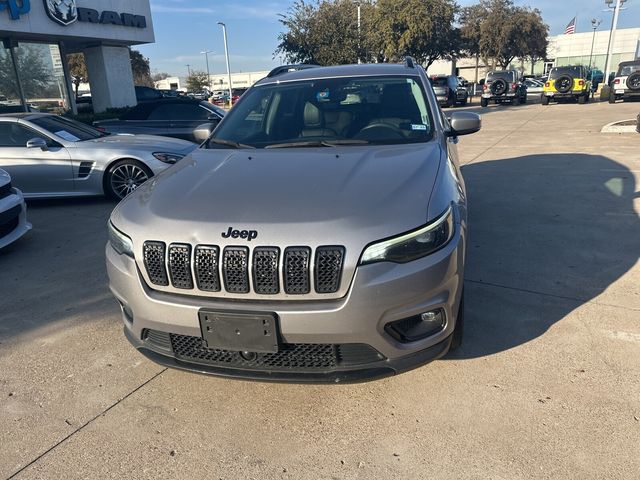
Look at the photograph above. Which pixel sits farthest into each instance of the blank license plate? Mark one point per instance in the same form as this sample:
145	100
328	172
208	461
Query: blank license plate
239	331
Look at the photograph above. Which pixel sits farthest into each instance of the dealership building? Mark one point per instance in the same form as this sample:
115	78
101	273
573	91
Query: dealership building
38	34
578	49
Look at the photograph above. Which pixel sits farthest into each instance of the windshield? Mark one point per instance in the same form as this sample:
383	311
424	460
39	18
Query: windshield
328	112
504	75
627	70
67	129
575	72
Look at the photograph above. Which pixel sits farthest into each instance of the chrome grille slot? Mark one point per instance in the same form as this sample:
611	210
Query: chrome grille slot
296	270
265	270
154	262
180	265
235	269
328	269
206	260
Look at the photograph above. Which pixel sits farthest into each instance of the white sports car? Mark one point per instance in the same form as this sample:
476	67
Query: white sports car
13	212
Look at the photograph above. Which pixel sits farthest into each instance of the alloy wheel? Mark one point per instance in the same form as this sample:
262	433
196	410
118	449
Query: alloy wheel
126	178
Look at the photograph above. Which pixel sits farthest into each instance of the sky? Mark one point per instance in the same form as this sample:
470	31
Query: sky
184	28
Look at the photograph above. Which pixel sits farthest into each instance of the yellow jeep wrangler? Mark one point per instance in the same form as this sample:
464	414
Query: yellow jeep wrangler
567	82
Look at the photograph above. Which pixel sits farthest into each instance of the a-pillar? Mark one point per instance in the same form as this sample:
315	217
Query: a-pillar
110	77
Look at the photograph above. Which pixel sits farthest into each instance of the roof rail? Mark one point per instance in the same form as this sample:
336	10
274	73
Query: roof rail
409	62
290	68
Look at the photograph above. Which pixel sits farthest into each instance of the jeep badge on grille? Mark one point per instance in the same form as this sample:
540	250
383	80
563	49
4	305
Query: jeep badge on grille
248	234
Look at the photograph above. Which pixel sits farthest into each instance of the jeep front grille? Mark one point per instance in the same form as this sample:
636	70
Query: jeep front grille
238	270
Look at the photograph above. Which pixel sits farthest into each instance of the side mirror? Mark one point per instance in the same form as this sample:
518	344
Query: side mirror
38	142
203	132
464	123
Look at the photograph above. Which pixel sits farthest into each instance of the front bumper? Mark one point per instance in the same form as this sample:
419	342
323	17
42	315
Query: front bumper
13	218
379	294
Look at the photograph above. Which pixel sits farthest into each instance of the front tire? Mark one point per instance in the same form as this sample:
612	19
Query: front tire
612	97
124	176
484	102
582	100
545	100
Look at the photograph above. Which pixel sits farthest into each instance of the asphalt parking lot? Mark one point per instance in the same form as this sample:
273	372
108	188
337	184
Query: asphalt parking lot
546	385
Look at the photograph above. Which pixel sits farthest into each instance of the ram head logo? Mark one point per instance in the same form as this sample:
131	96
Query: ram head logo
65	12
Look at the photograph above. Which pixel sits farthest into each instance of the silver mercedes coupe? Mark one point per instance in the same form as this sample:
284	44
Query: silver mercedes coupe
52	156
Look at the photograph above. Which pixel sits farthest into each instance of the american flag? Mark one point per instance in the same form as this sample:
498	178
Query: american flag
571	28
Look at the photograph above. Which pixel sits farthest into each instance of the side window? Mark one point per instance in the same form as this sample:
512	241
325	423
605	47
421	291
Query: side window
179	112
14	135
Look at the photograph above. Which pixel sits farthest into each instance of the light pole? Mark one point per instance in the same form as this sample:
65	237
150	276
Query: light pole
614	26
359	18
189	69
595	23
226	54
206	54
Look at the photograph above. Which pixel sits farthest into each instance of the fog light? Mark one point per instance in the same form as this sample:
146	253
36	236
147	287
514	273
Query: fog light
417	327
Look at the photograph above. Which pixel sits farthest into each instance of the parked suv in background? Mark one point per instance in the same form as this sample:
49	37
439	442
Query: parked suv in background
626	83
449	91
171	117
567	82
318	235
503	86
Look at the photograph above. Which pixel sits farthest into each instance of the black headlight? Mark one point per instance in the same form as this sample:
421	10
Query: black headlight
120	242
413	245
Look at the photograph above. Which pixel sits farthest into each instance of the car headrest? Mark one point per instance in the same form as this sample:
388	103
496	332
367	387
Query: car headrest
312	116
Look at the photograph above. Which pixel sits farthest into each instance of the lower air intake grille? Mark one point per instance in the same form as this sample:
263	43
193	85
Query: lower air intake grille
290	357
5	190
12	222
265	270
235	269
328	269
154	253
206	268
296	270
180	265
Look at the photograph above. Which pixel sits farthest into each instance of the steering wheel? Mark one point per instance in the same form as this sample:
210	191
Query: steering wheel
379	130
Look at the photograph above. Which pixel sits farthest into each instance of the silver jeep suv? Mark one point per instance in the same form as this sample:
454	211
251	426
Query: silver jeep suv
318	235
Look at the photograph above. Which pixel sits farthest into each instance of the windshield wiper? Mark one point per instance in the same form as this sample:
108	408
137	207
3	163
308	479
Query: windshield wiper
348	141
318	143
229	143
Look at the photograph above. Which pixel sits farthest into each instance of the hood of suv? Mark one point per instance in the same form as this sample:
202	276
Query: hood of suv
301	196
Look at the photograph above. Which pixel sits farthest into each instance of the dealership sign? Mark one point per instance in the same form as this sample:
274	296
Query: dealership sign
66	12
15	7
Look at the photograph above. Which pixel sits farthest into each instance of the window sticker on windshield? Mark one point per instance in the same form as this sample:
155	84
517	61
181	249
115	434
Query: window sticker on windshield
67	136
323	96
417	126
